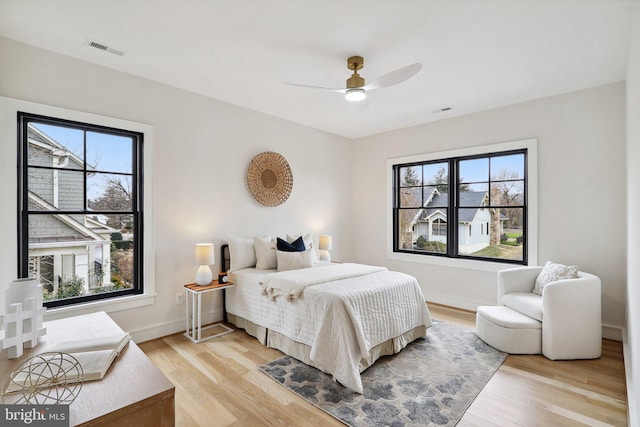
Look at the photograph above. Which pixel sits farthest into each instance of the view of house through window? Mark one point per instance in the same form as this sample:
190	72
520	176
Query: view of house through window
471	207
80	210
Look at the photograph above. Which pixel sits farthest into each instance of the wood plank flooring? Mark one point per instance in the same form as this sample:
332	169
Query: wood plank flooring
217	384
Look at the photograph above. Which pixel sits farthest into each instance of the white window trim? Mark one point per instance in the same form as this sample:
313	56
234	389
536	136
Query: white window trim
9	107
531	145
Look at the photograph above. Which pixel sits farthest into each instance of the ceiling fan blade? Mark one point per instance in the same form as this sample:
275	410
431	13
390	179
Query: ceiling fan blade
318	87
394	77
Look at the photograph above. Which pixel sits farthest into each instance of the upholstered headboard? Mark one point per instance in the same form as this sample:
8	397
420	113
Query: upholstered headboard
225	257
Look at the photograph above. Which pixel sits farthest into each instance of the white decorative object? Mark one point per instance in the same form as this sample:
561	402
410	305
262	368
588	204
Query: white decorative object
325	245
23	316
204	257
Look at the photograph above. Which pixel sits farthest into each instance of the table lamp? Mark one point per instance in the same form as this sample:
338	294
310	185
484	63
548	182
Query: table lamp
204	257
325	246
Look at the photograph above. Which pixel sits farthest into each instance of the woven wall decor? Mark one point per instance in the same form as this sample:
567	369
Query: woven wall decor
269	178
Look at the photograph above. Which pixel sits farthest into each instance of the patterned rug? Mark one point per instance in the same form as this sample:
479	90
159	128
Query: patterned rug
431	382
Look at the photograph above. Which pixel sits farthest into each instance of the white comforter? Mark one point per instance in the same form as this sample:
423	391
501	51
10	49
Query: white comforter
341	319
291	284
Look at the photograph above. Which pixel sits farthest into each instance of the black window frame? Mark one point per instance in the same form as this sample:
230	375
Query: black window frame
453	206
137	196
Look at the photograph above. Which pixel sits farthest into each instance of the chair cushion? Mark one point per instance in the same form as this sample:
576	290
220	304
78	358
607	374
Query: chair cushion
524	302
507	318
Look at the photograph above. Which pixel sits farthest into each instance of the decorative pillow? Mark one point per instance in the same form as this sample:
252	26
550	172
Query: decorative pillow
294	260
241	252
295	246
308	242
265	248
553	272
308	239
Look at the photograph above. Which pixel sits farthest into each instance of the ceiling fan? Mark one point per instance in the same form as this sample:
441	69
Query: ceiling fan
356	89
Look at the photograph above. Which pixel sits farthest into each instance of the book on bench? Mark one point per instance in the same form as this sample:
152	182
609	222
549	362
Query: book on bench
94	355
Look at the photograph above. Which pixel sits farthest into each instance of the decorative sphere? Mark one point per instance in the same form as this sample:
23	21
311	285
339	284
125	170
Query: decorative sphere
48	378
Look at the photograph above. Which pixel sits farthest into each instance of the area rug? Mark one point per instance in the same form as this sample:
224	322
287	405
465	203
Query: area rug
431	382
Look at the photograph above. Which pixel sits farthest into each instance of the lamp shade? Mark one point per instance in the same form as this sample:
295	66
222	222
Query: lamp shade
325	243
204	254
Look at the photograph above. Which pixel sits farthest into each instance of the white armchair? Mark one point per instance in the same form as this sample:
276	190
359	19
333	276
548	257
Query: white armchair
569	310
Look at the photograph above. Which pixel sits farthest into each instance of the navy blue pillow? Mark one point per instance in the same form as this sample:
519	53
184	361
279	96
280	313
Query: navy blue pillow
295	246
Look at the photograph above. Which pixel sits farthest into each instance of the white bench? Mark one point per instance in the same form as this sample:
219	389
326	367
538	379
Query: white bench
508	330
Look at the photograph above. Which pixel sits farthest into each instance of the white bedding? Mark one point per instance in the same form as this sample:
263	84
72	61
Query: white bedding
290	284
341	320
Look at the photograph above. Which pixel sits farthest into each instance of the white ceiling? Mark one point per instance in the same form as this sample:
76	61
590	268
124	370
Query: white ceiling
476	54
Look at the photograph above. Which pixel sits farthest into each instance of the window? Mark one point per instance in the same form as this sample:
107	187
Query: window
439	227
465	206
80	209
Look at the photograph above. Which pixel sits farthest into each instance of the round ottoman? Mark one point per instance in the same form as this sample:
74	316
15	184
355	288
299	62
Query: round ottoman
508	331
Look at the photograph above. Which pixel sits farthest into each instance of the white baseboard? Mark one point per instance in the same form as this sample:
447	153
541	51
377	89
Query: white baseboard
612	332
456	302
160	330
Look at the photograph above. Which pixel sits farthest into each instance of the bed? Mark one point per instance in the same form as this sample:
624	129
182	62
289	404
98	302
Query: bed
337	317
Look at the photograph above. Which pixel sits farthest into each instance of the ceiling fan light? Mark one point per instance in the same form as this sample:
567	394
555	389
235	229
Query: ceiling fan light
355	95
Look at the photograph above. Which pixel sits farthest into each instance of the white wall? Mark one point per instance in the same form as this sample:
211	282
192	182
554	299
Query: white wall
632	342
581	190
202	149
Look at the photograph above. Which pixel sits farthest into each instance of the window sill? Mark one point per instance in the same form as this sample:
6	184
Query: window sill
109	306
467	264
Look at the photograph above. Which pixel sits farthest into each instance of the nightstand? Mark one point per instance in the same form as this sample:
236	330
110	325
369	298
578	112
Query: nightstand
193	312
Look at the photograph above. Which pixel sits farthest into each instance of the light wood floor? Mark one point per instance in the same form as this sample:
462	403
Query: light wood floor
217	384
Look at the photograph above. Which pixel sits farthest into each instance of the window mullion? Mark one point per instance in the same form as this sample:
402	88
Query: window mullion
85	202
452	229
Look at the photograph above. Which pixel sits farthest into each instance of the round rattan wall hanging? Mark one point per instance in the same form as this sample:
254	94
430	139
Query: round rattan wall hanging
269	178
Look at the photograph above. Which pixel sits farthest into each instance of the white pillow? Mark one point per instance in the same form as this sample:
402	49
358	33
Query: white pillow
294	260
308	242
265	249
553	272
241	252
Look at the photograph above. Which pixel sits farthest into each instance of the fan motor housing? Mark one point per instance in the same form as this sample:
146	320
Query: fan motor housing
355	63
355	81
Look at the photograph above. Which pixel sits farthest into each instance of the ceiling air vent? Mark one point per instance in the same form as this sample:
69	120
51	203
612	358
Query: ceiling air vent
104	47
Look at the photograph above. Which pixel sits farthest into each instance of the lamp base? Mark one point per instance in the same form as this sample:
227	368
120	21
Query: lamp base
204	276
325	256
